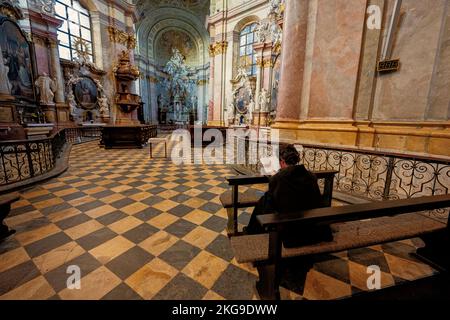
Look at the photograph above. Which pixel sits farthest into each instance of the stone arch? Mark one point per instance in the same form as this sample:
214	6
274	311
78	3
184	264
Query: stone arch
245	21
164	25
236	32
161	18
153	25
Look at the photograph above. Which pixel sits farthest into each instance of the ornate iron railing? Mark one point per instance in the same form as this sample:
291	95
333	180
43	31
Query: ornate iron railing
372	174
24	159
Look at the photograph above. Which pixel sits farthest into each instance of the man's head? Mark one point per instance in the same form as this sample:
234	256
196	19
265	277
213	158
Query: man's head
289	156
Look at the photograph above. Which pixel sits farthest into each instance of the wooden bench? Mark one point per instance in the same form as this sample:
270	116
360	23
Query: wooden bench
353	226
232	200
5	207
158	140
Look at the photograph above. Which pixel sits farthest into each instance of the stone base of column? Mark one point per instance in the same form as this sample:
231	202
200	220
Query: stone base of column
260	119
428	138
216	123
63	115
50	113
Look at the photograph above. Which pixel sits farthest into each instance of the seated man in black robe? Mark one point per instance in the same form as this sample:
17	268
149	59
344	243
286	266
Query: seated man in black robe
292	189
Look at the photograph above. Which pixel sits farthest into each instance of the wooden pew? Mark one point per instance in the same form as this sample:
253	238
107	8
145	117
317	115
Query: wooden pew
353	226
5	207
233	200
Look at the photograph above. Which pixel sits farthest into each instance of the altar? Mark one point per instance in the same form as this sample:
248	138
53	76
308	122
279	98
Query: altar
126	137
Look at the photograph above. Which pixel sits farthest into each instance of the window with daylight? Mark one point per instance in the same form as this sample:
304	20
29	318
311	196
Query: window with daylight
75	32
247	55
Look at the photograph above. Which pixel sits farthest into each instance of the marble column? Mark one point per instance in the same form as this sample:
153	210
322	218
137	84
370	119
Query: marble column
57	72
210	112
293	58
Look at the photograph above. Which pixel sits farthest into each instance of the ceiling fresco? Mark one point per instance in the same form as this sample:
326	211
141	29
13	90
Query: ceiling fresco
175	39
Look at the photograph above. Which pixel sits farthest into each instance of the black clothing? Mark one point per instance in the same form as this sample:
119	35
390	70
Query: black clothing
292	189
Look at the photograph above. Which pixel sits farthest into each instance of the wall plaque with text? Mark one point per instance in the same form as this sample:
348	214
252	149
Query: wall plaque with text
388	65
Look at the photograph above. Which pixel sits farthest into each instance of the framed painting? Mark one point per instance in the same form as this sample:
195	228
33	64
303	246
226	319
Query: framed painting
86	93
17	61
242	99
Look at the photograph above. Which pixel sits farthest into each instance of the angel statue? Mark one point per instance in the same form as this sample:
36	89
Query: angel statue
264	100
104	106
5	85
72	103
230	113
46	88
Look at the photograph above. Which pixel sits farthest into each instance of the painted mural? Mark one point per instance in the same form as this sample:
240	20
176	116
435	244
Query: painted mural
16	58
175	39
86	93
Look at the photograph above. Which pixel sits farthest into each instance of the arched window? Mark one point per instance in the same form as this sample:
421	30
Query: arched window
247	56
75	32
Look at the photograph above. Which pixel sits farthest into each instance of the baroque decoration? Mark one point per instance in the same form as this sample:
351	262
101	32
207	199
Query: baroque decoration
44	6
218	48
269	29
240	110
118	36
180	90
11	9
86	96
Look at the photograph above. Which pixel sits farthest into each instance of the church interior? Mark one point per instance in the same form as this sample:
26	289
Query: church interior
138	136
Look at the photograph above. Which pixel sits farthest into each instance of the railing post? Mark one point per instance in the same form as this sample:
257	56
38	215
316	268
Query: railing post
30	161
388	181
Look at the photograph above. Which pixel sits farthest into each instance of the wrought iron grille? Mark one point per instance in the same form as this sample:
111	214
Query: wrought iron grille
372	174
25	159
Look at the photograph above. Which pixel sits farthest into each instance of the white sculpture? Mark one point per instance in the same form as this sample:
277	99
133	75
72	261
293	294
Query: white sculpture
275	6
230	113
264	98
104	106
262	31
47	88
5	85
251	108
72	103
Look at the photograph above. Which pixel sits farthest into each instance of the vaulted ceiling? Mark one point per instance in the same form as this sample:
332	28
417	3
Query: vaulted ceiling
165	24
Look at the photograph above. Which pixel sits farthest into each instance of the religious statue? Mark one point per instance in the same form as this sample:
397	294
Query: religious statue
275	6
104	106
230	113
194	101
251	108
72	103
264	98
178	84
5	85
242	74
46	88
262	31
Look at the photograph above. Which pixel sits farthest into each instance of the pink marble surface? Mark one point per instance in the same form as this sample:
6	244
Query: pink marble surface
293	58
405	95
218	85
337	44
42	56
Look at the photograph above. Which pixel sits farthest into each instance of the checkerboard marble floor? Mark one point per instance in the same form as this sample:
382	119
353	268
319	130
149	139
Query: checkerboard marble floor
141	228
